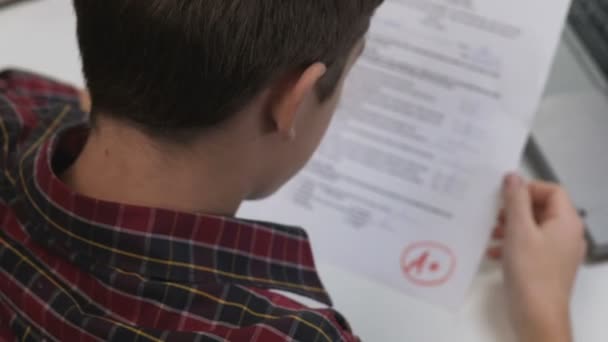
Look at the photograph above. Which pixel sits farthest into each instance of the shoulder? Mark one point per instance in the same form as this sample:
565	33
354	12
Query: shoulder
29	100
277	317
32	104
25	96
242	313
24	83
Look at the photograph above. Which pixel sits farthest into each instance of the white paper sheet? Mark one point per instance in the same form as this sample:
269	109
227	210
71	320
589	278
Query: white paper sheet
405	187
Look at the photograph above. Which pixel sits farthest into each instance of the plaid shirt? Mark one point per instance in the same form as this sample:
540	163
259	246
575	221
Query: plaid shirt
75	268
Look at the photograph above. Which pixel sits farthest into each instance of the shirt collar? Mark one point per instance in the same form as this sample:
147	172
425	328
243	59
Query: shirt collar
155	243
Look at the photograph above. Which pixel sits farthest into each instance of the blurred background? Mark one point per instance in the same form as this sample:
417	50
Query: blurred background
570	145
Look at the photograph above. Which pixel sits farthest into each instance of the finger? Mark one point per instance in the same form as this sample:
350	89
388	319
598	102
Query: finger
502	217
550	199
518	205
499	233
494	253
541	190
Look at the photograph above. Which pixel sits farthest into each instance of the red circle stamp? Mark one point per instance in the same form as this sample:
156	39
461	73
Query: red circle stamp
428	263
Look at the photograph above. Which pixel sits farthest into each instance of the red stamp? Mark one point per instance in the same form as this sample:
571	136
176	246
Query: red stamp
428	264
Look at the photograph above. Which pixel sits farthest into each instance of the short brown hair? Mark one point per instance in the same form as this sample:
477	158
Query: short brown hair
182	65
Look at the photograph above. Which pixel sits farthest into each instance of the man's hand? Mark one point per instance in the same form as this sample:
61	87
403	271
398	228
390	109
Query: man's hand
543	246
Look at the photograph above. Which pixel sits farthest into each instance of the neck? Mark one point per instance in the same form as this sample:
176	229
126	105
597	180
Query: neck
121	164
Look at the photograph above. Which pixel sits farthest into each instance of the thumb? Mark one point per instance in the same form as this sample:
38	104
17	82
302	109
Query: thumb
518	204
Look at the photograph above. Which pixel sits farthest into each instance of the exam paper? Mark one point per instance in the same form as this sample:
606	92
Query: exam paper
405	187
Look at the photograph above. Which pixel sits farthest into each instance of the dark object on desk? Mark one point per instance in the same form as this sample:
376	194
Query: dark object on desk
4	3
534	155
569	143
569	147
543	169
589	20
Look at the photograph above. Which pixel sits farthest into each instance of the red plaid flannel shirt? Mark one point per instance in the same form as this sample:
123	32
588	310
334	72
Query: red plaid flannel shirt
76	268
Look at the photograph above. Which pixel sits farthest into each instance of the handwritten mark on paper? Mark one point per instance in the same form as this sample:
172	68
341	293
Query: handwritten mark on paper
428	264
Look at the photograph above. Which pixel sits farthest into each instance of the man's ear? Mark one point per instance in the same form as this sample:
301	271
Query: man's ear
290	97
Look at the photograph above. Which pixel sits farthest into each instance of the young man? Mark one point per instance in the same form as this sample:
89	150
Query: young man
121	226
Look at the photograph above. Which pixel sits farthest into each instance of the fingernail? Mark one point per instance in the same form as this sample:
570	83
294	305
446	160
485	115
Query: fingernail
513	181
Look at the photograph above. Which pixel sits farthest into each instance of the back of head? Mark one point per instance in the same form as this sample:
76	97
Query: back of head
178	66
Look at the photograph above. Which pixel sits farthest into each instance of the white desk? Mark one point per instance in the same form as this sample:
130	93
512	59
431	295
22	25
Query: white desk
40	36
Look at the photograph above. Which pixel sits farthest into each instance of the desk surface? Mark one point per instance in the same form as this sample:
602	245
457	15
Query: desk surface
40	36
